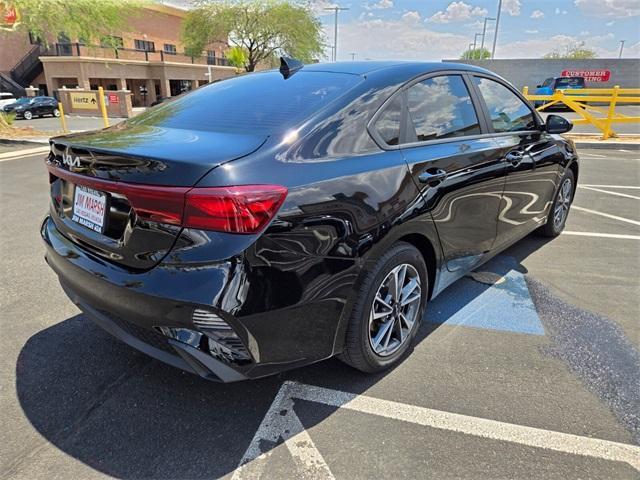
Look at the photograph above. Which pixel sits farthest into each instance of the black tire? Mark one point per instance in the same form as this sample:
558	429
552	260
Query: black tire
55	113
27	115
358	350
554	228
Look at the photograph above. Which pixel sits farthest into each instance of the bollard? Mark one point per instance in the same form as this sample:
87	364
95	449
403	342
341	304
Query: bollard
103	106
612	110
63	120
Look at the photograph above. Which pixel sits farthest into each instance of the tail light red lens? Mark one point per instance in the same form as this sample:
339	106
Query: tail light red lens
235	209
239	209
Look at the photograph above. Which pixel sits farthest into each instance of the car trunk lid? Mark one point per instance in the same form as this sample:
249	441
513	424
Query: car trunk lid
106	185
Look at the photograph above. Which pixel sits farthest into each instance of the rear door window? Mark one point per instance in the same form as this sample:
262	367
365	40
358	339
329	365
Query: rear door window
507	111
388	123
441	107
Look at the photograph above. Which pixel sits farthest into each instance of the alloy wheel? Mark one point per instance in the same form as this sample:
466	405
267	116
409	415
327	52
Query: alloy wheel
562	203
395	310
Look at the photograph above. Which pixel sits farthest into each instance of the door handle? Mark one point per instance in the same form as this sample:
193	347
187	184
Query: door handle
514	157
432	176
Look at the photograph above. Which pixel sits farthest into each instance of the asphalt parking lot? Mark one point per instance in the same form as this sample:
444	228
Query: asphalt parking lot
534	376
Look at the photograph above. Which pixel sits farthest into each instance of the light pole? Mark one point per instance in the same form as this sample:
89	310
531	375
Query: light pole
484	30
469	51
335	9
495	35
353	56
621	47
475	43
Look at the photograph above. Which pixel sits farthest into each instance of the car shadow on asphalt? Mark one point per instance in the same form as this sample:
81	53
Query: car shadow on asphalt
129	416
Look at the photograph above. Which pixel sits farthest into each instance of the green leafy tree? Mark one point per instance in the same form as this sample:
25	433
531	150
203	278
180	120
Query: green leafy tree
237	57
261	28
476	54
89	20
576	51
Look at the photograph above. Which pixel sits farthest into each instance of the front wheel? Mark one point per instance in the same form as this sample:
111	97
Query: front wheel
559	212
388	311
56	112
27	115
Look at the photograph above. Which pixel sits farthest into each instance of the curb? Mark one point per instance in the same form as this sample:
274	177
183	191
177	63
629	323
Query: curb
27	142
607	146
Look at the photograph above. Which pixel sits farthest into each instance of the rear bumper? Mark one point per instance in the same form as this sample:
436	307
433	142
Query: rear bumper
167	350
135	307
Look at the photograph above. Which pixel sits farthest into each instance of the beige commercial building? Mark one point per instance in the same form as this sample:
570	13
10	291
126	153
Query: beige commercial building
147	60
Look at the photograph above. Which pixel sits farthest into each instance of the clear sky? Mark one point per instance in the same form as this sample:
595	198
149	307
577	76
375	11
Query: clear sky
437	29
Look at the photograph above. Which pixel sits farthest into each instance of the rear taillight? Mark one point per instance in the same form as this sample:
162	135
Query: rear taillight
235	209
239	209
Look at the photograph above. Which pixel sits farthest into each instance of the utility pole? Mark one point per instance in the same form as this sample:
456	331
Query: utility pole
484	30
335	9
495	35
353	56
469	51
621	47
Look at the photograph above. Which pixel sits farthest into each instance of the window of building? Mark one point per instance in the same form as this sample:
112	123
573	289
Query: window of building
169	48
64	45
144	45
441	107
507	111
111	41
211	57
388	123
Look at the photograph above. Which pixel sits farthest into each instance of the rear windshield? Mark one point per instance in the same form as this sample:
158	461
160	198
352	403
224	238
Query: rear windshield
257	103
570	82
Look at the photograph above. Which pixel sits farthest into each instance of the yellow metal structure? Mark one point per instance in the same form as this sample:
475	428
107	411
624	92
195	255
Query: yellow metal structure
103	106
577	100
63	120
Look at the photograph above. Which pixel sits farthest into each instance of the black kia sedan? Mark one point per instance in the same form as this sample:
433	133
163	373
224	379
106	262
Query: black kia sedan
280	218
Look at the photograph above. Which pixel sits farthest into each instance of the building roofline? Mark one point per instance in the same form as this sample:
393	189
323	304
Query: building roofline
166	9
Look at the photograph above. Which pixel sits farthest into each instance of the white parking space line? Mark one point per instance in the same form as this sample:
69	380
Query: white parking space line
622	187
281	422
602	235
607	215
592	155
618	194
22	153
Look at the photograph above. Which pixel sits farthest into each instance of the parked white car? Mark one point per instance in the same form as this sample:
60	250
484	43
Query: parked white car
6	98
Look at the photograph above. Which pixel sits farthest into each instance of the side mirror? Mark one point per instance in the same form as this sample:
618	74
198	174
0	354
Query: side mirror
557	124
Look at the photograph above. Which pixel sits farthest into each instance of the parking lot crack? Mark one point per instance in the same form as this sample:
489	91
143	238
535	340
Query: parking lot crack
597	351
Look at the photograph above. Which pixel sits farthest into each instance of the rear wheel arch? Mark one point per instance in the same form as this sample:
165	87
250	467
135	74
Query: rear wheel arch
427	249
573	166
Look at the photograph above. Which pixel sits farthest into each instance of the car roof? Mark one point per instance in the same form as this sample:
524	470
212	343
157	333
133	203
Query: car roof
395	66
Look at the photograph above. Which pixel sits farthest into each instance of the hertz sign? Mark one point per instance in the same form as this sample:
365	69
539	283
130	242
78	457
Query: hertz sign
594	76
84	101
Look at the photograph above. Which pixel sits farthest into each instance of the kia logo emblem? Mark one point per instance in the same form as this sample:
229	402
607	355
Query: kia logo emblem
67	159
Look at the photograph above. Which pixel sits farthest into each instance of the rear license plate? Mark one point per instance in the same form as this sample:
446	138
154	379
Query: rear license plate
89	208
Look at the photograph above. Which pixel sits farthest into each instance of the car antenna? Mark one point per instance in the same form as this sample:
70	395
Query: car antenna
289	66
